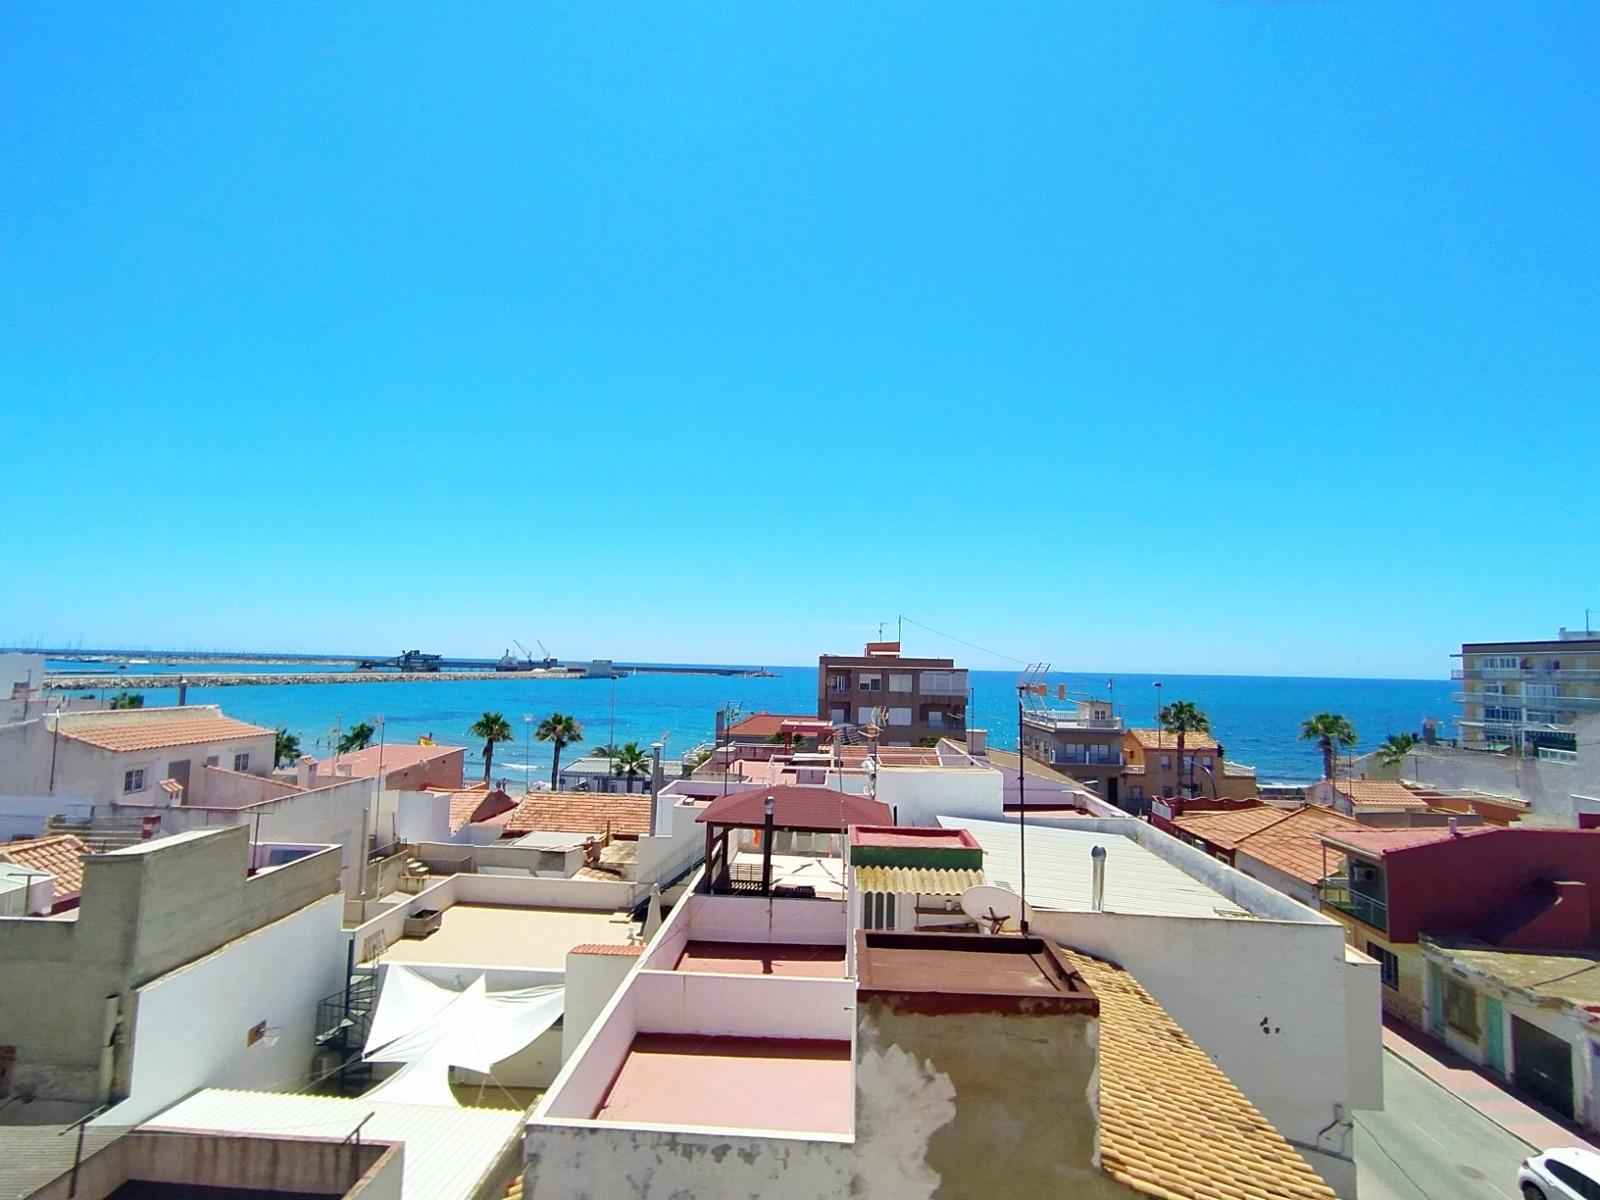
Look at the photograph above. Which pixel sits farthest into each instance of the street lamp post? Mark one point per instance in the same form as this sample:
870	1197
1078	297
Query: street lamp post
527	780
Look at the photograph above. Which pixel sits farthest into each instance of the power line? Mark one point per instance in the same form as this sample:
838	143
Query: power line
970	645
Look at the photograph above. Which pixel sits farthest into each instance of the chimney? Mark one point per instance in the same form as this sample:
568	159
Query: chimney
1455	827
305	772
655	786
1097	885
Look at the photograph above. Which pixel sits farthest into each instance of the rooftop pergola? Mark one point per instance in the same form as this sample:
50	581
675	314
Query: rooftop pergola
796	809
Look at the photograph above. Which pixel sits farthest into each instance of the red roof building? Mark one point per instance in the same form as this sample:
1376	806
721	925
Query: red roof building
805	809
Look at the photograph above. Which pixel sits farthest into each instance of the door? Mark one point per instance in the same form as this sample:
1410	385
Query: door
1435	1000
178	772
1494	1035
1542	1066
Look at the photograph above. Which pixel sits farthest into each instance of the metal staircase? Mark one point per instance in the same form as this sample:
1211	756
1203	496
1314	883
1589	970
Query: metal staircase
343	1021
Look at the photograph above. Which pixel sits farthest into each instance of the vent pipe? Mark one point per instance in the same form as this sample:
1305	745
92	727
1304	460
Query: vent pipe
1097	884
1455	827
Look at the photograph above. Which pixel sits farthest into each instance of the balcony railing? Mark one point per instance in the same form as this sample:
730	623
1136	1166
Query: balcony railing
1066	758
1573	674
1042	718
1336	893
1524	700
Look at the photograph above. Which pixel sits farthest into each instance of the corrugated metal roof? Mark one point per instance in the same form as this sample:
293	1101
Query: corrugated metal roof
448	1150
1137	880
916	881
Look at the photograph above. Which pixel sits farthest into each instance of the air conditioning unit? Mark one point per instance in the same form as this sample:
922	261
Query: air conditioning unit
1364	874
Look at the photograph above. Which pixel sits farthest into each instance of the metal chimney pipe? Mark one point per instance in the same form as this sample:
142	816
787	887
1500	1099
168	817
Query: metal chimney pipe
1455	827
655	785
1097	883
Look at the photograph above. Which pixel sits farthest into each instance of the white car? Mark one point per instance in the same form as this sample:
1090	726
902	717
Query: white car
1564	1174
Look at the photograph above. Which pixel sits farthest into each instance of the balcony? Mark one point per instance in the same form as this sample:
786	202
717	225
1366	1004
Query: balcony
1571	674
1081	756
1043	718
1368	909
1524	700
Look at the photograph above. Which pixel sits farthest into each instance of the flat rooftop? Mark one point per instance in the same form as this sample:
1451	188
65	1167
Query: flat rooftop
969	972
486	935
762	958
1138	881
785	1084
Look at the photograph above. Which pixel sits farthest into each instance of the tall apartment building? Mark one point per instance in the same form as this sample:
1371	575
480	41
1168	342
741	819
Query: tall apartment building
1527	696
921	697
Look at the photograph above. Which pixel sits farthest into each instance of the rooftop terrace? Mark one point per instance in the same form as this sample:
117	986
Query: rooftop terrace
485	935
788	1084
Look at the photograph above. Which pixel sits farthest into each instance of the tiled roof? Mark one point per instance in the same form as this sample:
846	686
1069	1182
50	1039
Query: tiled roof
1161	739
807	808
60	855
1226	829
916	881
475	805
581	812
1294	844
1172	1125
625	950
1380	793
158	734
1379	842
363	764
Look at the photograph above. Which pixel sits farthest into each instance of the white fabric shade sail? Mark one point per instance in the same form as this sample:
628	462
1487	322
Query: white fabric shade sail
430	1029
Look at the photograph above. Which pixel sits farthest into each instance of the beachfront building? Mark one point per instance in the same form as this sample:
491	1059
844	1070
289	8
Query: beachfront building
398	767
189	961
1151	768
761	1045
1527	696
1084	743
919	698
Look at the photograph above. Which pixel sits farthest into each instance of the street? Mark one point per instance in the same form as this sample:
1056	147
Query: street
1427	1145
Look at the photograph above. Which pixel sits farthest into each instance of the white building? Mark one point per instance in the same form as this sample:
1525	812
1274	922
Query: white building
1266	986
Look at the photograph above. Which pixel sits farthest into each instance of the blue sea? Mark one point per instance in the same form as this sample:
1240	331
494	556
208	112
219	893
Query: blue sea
1256	718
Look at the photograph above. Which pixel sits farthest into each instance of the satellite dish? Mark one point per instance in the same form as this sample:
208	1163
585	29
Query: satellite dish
992	906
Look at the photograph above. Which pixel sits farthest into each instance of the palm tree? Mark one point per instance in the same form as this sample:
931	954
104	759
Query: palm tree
560	730
1184	717
603	751
359	738
127	700
629	760
287	746
1328	730
1394	750
492	727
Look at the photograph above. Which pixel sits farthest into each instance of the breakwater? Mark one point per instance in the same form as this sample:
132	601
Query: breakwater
207	679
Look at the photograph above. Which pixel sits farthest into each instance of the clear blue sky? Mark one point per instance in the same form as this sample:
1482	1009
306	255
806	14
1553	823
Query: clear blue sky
1231	337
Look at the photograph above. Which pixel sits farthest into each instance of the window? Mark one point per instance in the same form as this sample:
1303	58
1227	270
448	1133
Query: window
1388	964
1573	1179
1136	792
1493	713
838	716
1500	662
1544	716
878	911
899	716
1461	1009
133	781
1205	761
899	681
870	683
838	683
866	716
241	762
1166	762
1544	691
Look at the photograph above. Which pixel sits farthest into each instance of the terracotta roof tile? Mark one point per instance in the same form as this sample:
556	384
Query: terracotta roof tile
1226	829
1380	793
1294	844
581	812
1161	739
627	950
59	854
473	806
158	733
1172	1125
